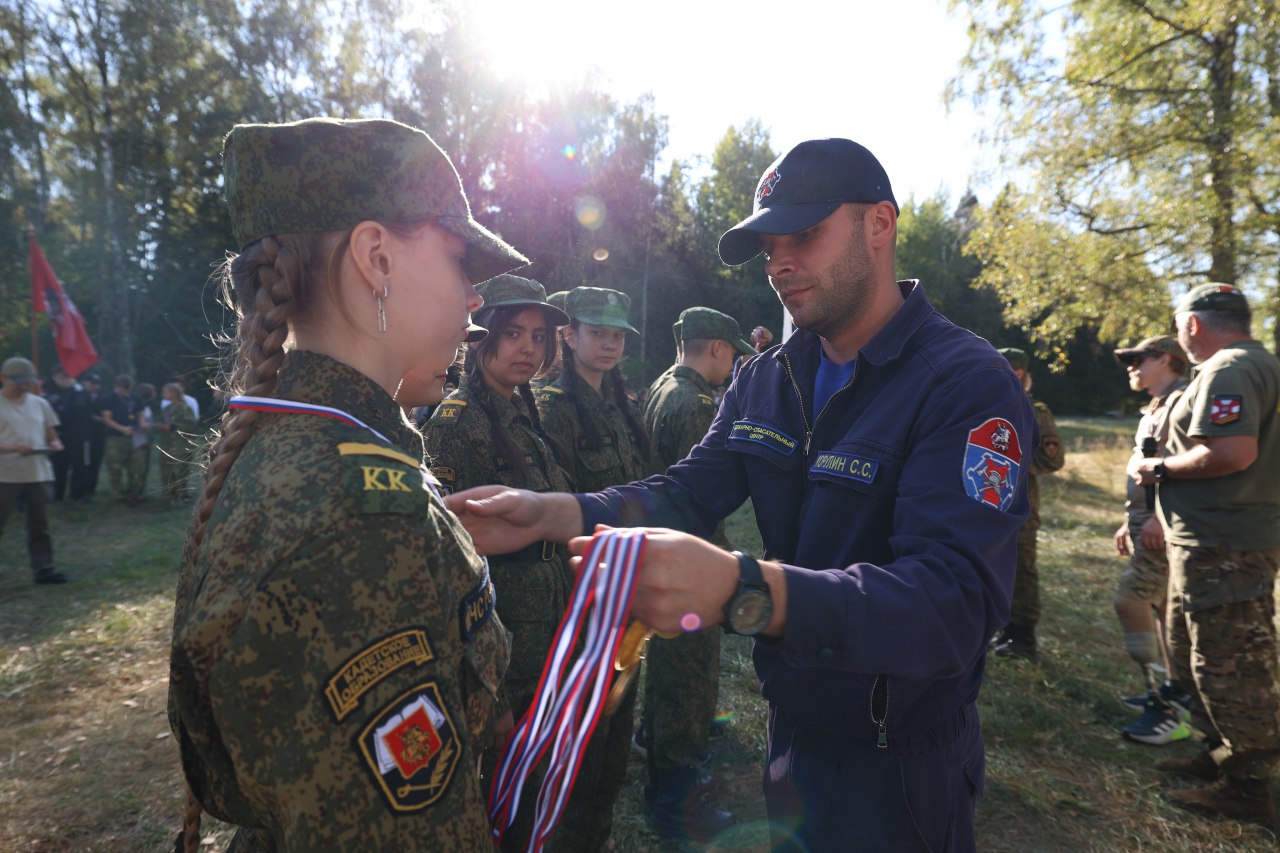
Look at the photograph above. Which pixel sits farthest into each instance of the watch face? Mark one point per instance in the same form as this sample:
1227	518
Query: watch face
750	612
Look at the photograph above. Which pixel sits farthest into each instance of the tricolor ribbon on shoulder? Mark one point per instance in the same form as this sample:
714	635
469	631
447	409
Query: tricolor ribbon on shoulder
566	707
279	406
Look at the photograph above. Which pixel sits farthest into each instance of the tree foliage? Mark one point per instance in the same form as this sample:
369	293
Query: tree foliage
1146	130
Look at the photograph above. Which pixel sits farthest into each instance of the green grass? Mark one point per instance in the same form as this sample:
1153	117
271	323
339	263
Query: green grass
86	762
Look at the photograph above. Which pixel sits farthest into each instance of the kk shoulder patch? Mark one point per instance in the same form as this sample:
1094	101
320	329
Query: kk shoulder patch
412	748
708	400
370	665
449	410
1225	409
992	460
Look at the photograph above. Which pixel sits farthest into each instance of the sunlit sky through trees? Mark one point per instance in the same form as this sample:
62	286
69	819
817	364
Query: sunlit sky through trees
871	71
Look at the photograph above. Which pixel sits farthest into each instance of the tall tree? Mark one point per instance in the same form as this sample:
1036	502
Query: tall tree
1138	124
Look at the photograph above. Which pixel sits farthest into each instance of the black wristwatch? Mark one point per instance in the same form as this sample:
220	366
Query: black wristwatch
1160	472
751	607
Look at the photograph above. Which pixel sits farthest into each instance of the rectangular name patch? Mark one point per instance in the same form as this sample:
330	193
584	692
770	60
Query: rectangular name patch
846	465
476	607
763	434
369	666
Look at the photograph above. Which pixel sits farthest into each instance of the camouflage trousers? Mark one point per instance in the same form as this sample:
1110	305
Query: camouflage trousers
682	685
1222	640
1025	607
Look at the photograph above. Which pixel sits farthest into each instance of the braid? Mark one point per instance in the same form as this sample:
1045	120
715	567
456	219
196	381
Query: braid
265	279
639	435
572	380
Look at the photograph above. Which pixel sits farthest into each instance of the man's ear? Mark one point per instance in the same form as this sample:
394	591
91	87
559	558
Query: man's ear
370	247
881	225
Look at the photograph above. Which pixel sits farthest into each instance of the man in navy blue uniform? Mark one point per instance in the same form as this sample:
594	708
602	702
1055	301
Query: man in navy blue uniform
884	450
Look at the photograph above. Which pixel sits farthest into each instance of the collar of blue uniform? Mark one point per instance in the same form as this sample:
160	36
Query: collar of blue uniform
888	343
310	377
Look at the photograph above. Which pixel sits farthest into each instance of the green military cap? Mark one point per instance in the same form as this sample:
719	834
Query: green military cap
18	369
557	299
1157	345
510	289
1018	359
324	174
708	323
599	306
1213	297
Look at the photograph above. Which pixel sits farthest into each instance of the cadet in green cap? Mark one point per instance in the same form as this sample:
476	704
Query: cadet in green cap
587	409
1018	639
1217	497
488	431
336	660
683	677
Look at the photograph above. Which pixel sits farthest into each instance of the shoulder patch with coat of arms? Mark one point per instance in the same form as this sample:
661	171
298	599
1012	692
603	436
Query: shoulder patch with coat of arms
412	748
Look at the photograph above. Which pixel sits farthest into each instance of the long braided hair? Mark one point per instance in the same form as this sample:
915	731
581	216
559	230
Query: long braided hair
496	320
614	383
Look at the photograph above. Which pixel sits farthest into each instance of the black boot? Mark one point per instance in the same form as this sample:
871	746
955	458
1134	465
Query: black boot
676	805
1017	641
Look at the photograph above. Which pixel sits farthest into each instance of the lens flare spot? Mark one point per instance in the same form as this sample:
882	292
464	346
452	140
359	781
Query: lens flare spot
569	152
589	211
690	622
600	254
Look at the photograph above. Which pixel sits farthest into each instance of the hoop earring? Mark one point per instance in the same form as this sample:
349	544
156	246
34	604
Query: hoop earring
382	308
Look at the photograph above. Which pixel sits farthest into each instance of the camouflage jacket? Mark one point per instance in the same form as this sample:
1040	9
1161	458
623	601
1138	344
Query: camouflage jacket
534	584
1049	457
617	461
183	427
335	657
678	412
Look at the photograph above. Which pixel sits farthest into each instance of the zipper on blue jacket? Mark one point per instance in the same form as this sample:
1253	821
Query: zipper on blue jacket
882	742
808	429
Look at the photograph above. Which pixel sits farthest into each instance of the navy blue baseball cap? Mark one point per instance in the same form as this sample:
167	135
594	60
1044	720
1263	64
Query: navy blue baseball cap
803	187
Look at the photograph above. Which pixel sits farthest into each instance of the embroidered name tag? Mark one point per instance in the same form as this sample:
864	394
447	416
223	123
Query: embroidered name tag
763	434
369	666
501	463
846	465
605	441
412	748
476	607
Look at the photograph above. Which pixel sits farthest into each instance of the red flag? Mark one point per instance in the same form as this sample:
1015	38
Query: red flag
70	337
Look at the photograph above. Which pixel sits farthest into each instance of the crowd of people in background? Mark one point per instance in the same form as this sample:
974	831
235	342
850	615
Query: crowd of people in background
56	438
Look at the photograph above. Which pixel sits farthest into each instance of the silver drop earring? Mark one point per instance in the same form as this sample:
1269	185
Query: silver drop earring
382	308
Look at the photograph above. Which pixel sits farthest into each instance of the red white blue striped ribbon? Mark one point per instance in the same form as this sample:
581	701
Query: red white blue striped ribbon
566	709
274	404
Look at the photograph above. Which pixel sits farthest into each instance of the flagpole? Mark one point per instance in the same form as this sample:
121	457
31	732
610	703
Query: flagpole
35	349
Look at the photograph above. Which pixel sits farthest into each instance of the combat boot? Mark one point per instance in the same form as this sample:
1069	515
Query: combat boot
1016	641
1202	766
676	805
1244	799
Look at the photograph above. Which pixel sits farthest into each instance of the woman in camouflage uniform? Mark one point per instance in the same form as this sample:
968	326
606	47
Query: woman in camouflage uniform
336	661
488	431
588	411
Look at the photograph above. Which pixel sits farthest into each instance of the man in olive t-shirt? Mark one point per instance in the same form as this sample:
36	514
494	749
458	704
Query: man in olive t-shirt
1220	507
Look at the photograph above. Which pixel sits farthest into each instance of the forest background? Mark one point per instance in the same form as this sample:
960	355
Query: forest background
1143	135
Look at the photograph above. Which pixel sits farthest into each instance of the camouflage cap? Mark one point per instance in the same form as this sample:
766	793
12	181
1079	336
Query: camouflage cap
510	289
557	299
1018	359
599	306
1157	345
708	323
18	369
324	174
1213	297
